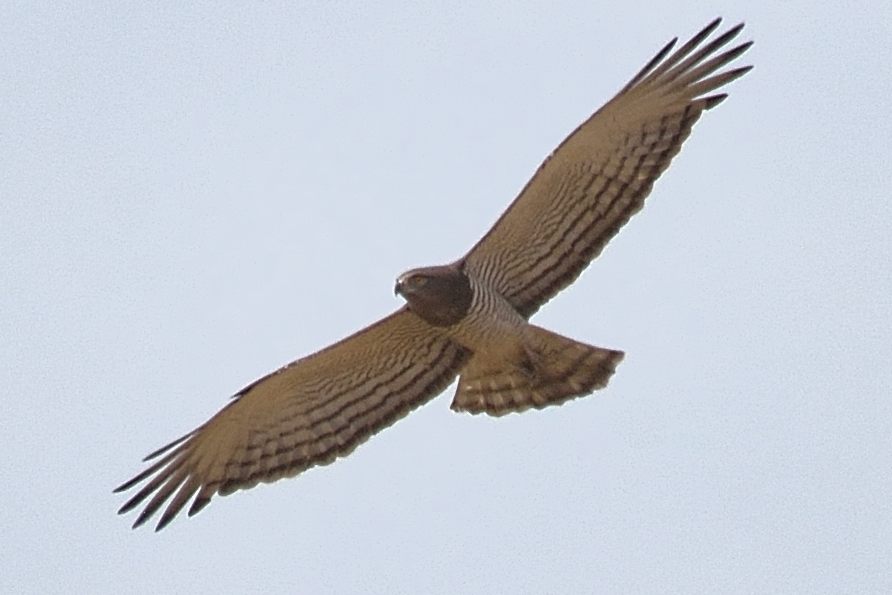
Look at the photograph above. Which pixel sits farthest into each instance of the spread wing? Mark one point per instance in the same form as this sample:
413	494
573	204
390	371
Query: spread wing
307	413
600	175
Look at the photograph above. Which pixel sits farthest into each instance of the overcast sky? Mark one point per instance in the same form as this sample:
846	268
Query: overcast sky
192	194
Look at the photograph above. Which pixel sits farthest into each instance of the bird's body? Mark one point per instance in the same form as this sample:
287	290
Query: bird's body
491	324
468	319
513	365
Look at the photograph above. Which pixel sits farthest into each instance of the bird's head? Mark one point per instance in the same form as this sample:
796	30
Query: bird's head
439	295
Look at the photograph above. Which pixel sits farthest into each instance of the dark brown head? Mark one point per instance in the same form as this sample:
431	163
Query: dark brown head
439	295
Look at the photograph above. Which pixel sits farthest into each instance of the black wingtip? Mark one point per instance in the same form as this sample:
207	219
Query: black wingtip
733	75
141	519
165	520
737	28
714	100
129	505
707	30
664	51
742	48
198	504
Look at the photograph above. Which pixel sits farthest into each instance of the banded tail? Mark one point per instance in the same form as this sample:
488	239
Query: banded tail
551	370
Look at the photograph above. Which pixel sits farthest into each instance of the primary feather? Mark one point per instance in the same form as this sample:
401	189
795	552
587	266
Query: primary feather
599	176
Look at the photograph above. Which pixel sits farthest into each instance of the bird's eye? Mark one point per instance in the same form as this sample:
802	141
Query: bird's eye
418	281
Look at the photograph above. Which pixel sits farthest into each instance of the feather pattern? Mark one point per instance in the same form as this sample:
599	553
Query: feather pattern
600	175
307	413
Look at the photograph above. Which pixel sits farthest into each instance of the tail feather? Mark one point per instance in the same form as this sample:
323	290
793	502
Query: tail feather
550	370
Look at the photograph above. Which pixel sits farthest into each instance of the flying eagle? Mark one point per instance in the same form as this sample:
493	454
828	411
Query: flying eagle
469	318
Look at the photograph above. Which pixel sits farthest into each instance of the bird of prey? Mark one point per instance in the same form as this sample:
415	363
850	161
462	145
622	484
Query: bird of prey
469	318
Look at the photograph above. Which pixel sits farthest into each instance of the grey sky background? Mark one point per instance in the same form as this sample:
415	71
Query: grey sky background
194	195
